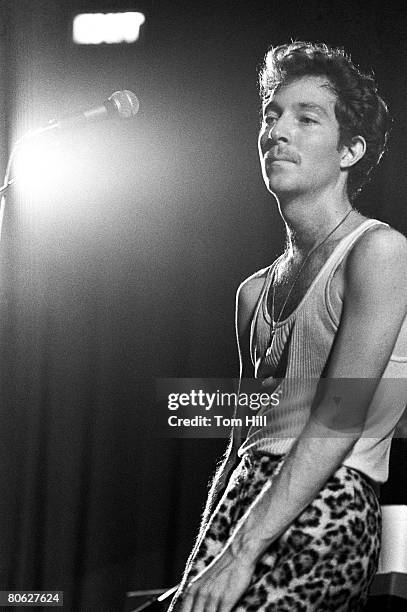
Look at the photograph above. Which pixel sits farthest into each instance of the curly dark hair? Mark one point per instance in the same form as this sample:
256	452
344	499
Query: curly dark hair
359	109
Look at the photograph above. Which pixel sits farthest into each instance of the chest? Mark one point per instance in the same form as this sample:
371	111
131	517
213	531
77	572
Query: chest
293	279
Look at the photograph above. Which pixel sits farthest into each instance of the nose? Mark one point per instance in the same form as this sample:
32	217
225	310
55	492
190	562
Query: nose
279	131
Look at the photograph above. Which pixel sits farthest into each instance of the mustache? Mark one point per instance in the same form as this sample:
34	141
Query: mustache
281	154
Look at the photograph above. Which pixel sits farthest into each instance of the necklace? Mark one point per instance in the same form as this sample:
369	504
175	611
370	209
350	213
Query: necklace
317	246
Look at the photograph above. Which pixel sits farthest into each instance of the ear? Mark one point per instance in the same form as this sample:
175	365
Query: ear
353	152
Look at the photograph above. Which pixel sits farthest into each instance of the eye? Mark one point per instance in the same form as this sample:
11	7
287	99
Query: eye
308	120
270	119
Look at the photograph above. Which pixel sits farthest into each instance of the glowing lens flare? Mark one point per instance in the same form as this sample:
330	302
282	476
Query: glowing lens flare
45	169
37	168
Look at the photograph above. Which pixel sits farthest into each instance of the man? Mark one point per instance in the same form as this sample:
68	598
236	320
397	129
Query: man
298	526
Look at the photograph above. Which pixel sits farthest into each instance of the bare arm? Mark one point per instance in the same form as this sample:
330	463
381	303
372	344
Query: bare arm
246	300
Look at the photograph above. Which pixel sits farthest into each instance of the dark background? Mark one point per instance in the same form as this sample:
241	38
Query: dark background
119	263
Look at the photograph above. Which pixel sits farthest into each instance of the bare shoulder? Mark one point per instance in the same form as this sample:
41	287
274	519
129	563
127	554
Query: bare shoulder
247	297
249	290
376	269
381	248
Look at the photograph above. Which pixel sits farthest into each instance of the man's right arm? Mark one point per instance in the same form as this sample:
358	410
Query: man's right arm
246	300
247	297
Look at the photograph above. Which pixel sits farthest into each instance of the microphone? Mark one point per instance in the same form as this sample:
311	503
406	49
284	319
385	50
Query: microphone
122	104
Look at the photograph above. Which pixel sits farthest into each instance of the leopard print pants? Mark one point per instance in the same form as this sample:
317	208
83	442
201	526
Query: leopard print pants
325	560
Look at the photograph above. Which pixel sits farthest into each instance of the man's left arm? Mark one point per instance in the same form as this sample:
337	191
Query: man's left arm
375	305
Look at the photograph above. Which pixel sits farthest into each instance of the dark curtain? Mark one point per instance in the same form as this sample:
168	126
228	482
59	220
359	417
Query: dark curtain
124	270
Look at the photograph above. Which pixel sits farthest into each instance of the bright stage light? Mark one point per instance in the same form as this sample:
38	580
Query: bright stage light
39	169
110	28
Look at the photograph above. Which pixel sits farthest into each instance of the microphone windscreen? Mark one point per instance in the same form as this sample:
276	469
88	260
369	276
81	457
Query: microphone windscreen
125	102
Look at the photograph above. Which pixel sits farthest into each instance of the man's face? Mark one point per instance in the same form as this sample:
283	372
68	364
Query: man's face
298	140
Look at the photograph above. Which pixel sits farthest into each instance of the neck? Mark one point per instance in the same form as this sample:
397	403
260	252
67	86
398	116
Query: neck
309	220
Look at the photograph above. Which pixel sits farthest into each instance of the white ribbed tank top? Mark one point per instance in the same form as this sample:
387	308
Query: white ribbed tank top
298	355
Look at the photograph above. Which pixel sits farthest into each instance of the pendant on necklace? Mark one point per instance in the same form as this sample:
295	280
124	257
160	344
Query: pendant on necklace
271	341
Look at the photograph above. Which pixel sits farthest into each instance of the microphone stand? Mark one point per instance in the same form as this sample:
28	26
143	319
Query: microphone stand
9	181
122	103
154	599
4	187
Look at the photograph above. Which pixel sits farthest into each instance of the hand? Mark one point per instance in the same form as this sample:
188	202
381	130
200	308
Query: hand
219	586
